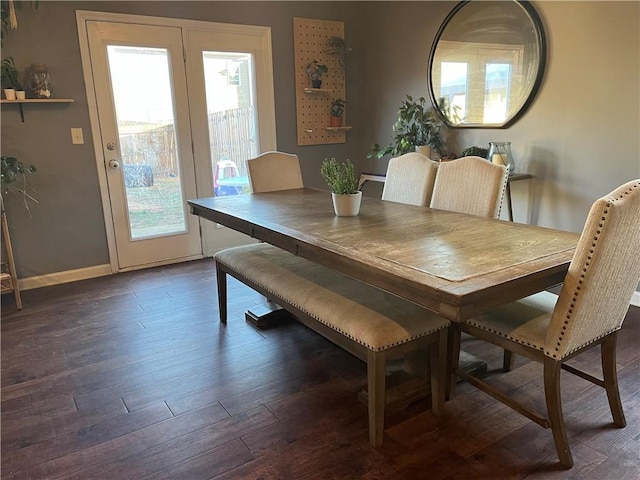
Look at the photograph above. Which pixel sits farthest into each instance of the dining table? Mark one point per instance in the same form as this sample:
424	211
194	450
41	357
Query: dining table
453	264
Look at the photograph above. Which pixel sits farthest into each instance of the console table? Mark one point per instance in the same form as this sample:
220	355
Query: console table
513	177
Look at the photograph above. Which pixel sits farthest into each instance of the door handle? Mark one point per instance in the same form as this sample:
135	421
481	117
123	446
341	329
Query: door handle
114	163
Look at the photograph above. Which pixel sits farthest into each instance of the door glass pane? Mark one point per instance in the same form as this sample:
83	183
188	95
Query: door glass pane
231	114
142	93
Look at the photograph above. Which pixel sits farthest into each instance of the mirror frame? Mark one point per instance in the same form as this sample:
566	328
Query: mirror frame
541	67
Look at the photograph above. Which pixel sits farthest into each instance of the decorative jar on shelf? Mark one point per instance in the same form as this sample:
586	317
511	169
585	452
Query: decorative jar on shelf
500	154
38	81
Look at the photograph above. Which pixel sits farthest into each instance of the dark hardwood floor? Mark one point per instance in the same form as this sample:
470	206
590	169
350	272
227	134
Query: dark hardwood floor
131	376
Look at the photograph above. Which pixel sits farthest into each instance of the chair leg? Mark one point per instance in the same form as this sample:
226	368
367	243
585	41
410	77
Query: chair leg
453	360
553	398
221	280
508	361
376	393
610	374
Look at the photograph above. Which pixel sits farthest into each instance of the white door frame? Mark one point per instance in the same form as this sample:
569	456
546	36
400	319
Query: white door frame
264	85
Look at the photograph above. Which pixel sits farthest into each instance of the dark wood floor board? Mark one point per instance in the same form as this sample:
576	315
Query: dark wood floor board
173	428
65	467
207	464
83	438
241	394
138	464
292	460
219	382
223	365
106	373
28	430
33	411
132	367
233	402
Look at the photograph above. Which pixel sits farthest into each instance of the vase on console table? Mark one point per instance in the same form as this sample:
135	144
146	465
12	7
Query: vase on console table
500	154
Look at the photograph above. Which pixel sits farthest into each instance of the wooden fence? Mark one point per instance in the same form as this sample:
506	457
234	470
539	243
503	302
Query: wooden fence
232	136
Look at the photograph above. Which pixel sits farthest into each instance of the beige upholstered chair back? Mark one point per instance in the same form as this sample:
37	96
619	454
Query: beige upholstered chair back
603	274
470	185
273	171
410	179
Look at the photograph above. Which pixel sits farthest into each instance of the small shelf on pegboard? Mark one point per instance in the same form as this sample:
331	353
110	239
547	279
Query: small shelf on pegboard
313	91
337	129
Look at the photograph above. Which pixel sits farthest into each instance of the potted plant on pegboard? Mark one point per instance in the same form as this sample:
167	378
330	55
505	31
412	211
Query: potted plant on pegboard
337	110
315	70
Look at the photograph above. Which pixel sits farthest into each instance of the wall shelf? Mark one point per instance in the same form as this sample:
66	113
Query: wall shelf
337	129
317	90
40	100
35	100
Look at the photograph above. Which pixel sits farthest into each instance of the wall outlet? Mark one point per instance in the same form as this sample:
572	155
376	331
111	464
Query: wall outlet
77	138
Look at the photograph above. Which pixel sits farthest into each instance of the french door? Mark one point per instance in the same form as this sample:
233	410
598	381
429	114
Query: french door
178	113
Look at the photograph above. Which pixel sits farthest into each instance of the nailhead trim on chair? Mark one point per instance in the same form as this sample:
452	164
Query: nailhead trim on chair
585	268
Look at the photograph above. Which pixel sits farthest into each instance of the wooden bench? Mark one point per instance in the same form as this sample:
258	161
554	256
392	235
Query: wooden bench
367	322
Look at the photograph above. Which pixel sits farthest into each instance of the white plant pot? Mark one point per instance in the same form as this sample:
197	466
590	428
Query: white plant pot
9	94
20	95
346	205
424	150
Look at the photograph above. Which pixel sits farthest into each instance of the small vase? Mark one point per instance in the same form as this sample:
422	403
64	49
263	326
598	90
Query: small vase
500	154
335	121
39	81
346	205
316	83
20	95
9	93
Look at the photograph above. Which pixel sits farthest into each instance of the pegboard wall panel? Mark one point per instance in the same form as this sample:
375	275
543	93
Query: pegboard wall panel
313	106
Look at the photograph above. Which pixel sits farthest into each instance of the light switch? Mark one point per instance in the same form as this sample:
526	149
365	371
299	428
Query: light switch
77	137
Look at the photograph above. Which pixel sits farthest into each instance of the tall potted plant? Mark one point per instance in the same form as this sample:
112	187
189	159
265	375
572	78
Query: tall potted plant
341	178
417	125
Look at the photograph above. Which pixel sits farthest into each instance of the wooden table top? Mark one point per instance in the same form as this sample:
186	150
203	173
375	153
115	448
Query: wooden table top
454	264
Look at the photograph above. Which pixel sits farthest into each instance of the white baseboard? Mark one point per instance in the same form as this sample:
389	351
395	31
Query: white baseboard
635	299
64	277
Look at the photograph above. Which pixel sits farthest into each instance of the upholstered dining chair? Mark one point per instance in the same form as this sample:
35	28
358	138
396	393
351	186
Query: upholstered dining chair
273	171
589	311
410	179
470	185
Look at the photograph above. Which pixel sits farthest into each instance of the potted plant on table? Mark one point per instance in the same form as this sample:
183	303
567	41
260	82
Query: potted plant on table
337	110
341	178
417	126
9	79
315	70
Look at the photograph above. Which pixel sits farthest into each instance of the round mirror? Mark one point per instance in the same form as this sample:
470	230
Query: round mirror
486	63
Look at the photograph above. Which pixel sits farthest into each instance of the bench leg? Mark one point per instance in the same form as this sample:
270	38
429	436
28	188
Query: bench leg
221	279
376	389
438	368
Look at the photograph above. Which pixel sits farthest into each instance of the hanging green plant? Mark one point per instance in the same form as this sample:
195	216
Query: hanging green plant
9	17
13	172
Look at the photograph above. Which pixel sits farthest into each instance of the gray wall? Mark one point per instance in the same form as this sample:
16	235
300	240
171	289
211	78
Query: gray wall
580	138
